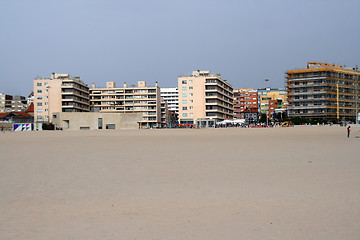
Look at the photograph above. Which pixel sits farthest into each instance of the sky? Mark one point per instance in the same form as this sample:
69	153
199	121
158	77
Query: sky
246	41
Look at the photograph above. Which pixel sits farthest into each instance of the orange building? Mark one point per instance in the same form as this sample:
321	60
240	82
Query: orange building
323	91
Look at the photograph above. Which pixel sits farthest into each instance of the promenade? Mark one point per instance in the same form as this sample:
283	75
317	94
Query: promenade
234	183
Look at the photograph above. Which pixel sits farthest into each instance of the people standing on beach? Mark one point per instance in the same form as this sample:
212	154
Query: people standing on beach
348	131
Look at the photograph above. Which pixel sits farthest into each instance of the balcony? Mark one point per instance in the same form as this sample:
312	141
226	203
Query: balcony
308	100
307	107
305	93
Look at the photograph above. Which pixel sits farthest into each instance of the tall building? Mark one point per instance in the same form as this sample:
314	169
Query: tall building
204	96
272	100
129	99
324	91
59	93
9	103
246	104
165	117
171	97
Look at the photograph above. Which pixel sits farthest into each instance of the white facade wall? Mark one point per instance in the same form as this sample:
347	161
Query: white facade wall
171	97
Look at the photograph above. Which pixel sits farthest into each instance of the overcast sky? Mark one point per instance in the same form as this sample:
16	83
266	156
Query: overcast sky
245	41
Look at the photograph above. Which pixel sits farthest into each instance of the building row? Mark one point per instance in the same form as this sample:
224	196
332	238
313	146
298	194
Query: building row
320	91
201	96
250	103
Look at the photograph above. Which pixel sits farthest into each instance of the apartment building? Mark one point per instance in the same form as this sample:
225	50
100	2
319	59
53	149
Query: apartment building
324	90
9	103
59	93
204	96
267	97
246	104
171	97
129	99
165	117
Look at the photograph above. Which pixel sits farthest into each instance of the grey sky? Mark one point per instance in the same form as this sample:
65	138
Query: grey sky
157	40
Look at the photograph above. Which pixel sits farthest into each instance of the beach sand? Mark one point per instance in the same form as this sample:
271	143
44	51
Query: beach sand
282	183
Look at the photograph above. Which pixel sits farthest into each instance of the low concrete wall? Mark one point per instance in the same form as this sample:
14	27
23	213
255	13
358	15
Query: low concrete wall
90	120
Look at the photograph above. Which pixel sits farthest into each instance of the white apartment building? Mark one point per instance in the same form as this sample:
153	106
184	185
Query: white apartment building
171	97
204	96
59	93
129	99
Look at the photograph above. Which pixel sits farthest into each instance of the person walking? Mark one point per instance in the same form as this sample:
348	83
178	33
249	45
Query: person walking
348	131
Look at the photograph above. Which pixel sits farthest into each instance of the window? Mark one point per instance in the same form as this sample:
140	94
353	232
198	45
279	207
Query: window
39	110
39	104
184	114
191	107
184	95
191	94
191	88
184	82
184	101
38	84
184	88
39	97
110	126
191	114
39	91
191	101
184	108
190	81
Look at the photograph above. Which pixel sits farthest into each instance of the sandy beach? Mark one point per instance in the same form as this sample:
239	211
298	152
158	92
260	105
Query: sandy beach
236	183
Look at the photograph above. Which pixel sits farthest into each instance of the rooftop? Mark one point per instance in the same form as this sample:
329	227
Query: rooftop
199	73
62	76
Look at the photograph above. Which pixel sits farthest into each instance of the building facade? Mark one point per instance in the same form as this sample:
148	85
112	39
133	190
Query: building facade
171	97
246	104
9	103
323	91
129	99
267	98
59	93
204	96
